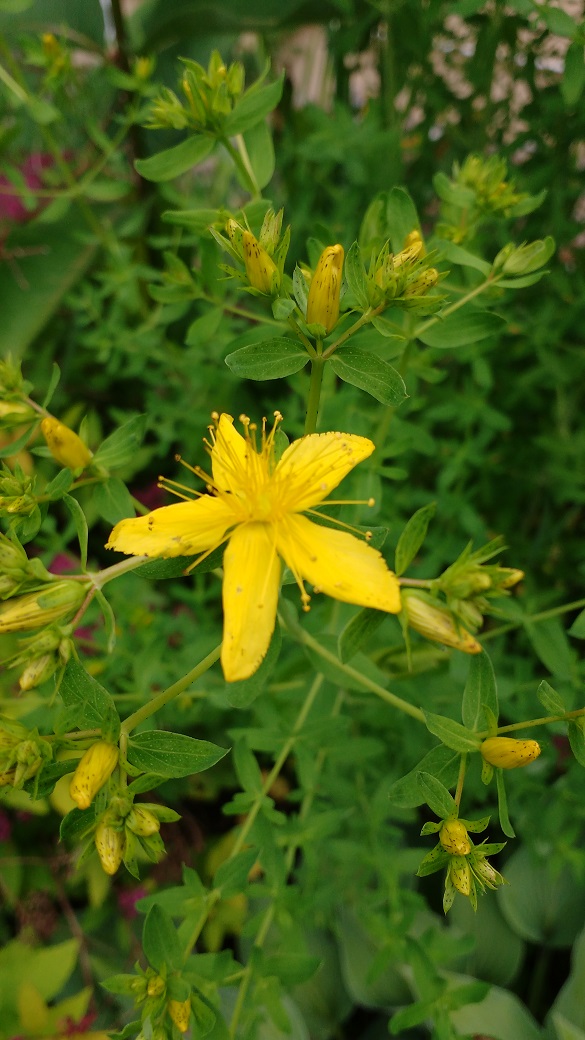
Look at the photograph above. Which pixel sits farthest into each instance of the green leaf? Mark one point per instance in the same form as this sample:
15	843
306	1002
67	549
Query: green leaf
503	805
269	359
576	735
160	941
451	733
109	619
53	384
461	328
551	701
550	643
172	754
242	693
436	795
457	255
80	522
121	446
441	762
258	141
355	276
573	79
369	373
94	704
480	692
543	902
59	485
401	216
412	537
113	501
253	106
577	629
560	22
177	160
361	627
231	877
291	969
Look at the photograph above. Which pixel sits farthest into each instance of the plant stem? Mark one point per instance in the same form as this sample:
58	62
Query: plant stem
489	281
352	673
363	320
243	167
123	567
460	779
317	367
513	726
544	615
167	695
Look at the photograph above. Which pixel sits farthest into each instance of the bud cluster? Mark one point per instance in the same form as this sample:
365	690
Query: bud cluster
469	585
209	97
468	870
164	1000
17	497
40	656
263	257
22	753
478	188
404	279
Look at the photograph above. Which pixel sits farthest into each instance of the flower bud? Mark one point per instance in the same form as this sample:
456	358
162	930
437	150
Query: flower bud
65	446
261	270
109	843
486	874
41	608
436	623
412	251
508	577
454	838
422	283
142	821
38	671
156	986
323	301
508	753
180	1013
460	875
235	234
93	769
15	413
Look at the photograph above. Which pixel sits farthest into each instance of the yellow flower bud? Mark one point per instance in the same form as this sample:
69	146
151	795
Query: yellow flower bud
436	623
508	753
65	446
7	777
109	843
261	270
38	671
180	1013
415	238
16	411
509	576
460	875
408	255
142	821
41	608
323	301
454	838
425	281
93	769
156	986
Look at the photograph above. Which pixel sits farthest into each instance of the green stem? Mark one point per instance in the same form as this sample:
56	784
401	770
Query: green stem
12	85
317	367
490	281
123	567
243	166
565	717
121	39
460	779
363	320
167	695
352	673
544	615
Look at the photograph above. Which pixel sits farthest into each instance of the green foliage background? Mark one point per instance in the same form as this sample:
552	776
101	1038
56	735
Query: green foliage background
100	280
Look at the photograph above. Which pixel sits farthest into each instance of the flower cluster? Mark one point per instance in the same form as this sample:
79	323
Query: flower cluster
468	871
404	278
263	257
210	95
23	753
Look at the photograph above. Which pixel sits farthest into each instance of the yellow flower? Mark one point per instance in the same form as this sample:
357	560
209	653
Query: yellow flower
255	506
508	753
65	446
323	301
93	769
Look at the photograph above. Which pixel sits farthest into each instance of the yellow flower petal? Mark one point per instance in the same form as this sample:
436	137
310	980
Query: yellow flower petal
312	466
234	462
338	564
177	530
250	593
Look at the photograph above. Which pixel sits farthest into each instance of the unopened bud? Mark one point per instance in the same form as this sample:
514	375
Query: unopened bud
426	280
436	623
323	301
235	234
93	769
38	671
156	986
508	577
508	753
41	608
487	875
460	875
454	838
142	822
261	270
65	446
180	1013
109	843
